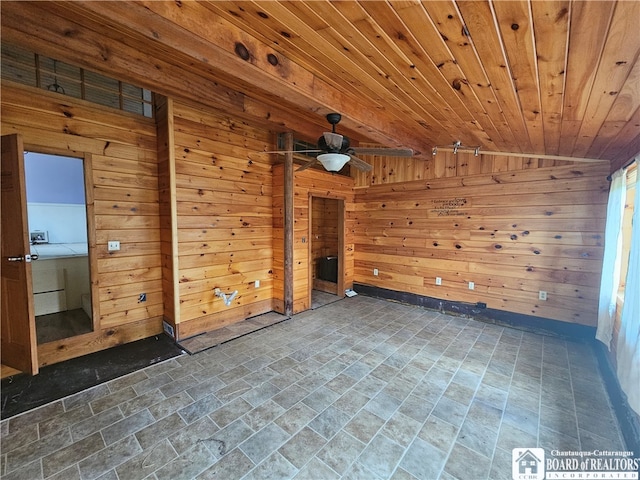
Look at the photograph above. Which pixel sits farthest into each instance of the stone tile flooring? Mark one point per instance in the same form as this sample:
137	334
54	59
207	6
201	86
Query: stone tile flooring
359	389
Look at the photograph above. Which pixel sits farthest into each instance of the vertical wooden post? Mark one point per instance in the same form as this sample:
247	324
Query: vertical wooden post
288	225
168	212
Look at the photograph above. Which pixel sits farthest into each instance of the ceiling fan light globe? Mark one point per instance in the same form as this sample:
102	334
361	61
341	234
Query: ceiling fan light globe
333	162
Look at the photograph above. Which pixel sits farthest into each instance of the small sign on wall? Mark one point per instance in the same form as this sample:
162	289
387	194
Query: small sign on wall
449	207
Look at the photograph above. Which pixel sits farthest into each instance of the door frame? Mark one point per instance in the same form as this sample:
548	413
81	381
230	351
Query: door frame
87	170
59	350
341	243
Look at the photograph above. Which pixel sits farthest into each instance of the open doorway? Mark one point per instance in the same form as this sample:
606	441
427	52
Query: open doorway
57	219
326	250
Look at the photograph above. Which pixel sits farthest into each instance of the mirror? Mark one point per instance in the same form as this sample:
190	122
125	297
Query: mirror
57	218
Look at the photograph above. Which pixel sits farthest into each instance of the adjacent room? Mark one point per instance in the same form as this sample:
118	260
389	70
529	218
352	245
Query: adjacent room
320	239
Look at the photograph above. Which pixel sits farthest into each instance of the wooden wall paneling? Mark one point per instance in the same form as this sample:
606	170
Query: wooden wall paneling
206	322
324	238
309	183
83	128
487	164
54	352
224	218
122	204
446	165
92	250
82	113
512	234
278	238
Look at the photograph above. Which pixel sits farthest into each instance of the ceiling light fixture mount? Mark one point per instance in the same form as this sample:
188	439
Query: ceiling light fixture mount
457	145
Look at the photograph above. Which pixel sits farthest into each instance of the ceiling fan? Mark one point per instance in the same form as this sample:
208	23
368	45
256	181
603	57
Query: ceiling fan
335	150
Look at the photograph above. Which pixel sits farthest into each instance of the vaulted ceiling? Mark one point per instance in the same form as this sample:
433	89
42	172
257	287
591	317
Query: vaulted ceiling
558	78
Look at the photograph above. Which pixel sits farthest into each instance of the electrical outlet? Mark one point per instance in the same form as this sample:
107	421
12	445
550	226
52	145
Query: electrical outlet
472	286
542	295
375	272
438	281
257	283
113	245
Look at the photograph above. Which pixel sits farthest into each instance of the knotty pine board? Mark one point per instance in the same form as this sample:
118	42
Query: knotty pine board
224	219
452	231
120	158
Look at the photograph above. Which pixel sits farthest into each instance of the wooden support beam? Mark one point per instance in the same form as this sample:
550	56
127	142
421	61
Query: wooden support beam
168	208
288	225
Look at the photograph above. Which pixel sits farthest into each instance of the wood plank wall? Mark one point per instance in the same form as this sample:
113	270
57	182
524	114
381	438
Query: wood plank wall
443	165
168	209
122	152
224	218
512	233
324	229
325	218
307	183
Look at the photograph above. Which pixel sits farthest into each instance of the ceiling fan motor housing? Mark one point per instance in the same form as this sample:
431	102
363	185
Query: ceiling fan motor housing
322	145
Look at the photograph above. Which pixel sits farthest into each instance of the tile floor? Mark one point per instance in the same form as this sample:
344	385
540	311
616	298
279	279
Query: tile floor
221	335
358	389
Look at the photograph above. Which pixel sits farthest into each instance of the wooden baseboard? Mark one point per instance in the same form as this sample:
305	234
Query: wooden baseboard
207	323
325	286
6	371
65	349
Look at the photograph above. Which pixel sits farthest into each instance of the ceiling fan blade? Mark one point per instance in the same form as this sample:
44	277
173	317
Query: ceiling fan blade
310	163
389	152
292	151
333	140
359	164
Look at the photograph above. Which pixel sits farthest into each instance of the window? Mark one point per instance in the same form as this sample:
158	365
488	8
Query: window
28	68
300	146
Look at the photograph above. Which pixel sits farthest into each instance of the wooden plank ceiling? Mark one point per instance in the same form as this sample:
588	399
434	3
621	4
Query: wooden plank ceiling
553	77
